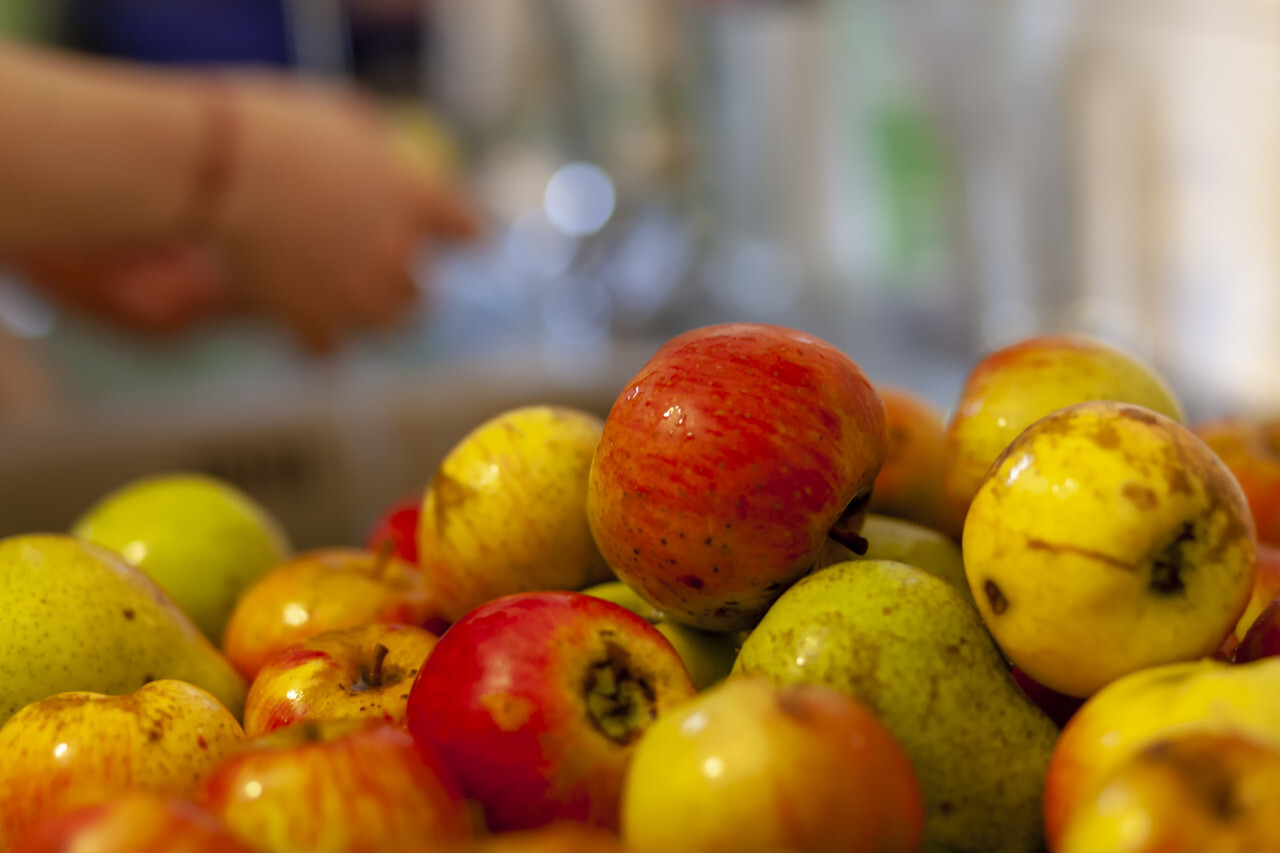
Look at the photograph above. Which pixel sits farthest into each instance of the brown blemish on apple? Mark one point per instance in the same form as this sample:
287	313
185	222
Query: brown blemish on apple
1106	436
1170	562
995	597
1088	553
691	581
1204	775
1141	496
129	614
620	702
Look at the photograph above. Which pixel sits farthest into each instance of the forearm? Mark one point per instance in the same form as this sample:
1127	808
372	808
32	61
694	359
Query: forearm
95	154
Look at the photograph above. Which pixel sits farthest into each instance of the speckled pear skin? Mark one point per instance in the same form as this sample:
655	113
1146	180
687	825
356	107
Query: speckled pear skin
77	748
76	616
911	648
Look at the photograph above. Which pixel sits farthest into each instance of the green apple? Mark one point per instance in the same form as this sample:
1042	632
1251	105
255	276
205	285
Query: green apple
1108	539
199	537
80	617
904	542
708	656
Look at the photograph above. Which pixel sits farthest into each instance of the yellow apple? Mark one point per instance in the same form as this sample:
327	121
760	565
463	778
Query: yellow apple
77	748
747	766
1152	704
1010	388
1197	792
1108	539
506	511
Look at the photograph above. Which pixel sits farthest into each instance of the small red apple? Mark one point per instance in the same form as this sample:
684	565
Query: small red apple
322	590
535	700
135	821
336	787
348	674
398	526
1262	640
1058	706
724	465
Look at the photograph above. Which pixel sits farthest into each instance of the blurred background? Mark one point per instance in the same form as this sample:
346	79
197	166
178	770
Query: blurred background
917	181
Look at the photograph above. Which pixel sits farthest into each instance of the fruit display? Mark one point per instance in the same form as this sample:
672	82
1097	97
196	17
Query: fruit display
764	605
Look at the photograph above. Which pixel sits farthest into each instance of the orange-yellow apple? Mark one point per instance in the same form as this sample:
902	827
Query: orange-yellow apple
506	510
909	486
726	462
1197	792
1010	388
135	821
1147	706
78	748
535	701
1250	447
1107	539
339	786
347	674
322	590
747	766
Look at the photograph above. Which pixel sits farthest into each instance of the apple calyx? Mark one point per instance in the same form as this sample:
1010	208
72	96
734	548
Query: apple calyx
1169	563
372	678
620	702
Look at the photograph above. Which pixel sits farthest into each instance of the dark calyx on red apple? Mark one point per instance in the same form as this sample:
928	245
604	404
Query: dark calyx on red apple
725	464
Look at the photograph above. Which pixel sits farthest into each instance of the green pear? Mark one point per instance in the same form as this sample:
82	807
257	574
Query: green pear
905	542
708	656
80	617
199	537
909	646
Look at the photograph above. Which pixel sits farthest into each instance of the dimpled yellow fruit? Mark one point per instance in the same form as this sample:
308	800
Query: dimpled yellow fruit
1152	704
1108	539
506	511
1012	387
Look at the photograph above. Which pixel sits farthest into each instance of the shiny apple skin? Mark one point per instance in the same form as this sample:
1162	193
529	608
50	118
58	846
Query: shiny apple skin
505	700
336	787
397	528
725	462
327	677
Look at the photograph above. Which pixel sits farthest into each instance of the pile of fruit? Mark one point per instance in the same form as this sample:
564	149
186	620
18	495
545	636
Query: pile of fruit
764	605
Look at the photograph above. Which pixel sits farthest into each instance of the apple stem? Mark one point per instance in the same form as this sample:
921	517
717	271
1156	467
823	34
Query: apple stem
374	677
849	524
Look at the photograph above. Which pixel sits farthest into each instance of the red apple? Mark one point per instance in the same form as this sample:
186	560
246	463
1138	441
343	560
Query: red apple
322	590
133	822
750	766
535	701
348	674
336	787
1262	640
397	527
724	465
909	485
1250	447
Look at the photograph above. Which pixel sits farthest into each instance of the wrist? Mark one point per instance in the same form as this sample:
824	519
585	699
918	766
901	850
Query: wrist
216	162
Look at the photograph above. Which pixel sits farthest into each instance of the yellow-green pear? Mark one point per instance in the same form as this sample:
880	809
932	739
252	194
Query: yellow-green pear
911	648
904	542
202	539
506	510
79	617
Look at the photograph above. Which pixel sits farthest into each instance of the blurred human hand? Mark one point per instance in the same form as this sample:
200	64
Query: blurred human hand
323	218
